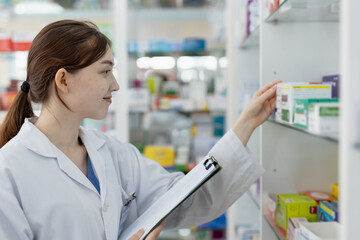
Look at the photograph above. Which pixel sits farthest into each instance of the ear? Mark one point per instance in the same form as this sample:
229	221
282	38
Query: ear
61	80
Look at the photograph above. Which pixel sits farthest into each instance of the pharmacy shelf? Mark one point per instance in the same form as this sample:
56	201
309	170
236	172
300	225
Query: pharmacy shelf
175	14
252	40
66	14
71	14
209	52
328	138
274	228
306	11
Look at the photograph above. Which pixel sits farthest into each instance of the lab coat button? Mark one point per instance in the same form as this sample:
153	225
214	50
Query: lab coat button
105	207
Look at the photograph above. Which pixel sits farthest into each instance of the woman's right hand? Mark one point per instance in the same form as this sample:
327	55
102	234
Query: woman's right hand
152	236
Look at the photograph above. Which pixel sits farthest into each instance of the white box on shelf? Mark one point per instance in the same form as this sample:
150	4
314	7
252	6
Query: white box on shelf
286	94
324	118
294	228
319	231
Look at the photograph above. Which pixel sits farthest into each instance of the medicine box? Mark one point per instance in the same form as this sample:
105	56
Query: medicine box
294	205
328	212
319	231
286	94
301	111
335	190
324	118
334	80
164	155
294	228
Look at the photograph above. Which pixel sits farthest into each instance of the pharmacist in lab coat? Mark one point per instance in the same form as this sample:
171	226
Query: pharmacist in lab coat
61	181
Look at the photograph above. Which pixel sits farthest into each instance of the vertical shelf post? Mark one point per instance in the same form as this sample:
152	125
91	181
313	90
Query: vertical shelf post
120	9
231	97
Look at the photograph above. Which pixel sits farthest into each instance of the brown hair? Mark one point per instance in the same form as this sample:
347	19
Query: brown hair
67	44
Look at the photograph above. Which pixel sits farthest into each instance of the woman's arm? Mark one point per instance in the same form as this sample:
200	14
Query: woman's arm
239	167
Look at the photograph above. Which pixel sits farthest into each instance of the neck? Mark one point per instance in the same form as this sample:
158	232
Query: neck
62	129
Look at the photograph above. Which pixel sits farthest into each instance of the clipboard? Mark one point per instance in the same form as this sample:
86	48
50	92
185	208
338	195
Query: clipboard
173	198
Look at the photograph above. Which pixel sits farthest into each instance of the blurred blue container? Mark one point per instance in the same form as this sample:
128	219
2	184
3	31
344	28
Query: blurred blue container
194	44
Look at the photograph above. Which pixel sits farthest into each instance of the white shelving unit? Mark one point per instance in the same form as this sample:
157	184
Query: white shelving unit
299	42
302	41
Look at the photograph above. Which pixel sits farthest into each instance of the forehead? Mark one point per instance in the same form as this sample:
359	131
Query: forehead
107	58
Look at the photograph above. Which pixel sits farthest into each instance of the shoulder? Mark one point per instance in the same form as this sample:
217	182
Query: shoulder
11	150
14	159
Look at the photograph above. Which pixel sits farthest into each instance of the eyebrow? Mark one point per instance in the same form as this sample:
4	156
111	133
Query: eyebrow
107	62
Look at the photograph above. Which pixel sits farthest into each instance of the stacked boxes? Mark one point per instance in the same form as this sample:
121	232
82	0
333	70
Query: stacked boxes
288	92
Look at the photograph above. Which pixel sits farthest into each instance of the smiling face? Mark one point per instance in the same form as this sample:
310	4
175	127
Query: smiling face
90	88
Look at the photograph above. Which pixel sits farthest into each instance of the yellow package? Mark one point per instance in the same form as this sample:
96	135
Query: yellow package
164	155
335	190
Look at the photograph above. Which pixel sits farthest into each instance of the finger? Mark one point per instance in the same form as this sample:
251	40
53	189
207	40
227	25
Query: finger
156	232
137	235
268	86
269	94
271	105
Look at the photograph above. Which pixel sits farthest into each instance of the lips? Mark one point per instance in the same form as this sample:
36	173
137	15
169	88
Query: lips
108	99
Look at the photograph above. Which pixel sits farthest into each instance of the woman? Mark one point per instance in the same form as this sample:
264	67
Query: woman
61	181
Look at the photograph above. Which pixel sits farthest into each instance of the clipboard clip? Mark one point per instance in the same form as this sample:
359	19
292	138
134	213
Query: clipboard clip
211	161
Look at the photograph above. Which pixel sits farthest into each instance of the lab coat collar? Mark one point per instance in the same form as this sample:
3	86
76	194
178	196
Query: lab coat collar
43	146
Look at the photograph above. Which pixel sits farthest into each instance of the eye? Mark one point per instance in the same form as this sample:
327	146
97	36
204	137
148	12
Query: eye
107	71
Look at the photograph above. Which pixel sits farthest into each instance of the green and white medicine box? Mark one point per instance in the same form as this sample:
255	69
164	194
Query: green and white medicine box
301	111
324	118
286	93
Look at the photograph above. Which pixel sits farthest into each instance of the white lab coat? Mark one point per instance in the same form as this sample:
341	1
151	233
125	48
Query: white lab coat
43	195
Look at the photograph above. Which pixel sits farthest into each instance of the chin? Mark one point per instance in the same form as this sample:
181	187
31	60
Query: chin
98	116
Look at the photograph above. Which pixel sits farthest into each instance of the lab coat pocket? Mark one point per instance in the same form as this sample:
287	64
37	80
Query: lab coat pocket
125	210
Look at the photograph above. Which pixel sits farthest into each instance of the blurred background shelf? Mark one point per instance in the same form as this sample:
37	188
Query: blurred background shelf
252	40
68	13
208	52
254	199
187	14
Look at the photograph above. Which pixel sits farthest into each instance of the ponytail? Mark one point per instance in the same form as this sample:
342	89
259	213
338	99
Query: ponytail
19	110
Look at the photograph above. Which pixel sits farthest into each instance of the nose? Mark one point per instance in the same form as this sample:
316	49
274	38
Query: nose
115	86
